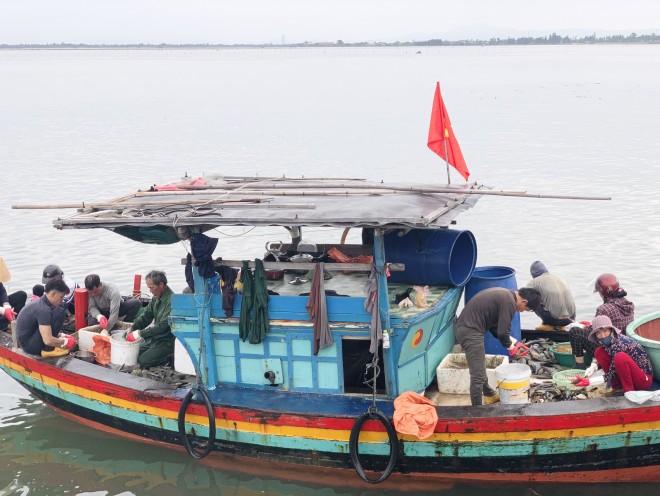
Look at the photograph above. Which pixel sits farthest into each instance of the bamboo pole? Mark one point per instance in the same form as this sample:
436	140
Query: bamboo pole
225	202
392	189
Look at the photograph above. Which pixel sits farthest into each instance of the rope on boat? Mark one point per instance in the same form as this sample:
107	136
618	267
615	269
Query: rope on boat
194	452
373	414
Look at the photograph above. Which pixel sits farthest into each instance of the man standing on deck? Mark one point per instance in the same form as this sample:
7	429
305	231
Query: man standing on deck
491	310
106	304
557	308
158	342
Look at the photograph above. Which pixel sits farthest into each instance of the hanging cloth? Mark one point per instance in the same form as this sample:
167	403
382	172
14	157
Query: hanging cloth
245	322
318	311
202	249
260	322
371	306
228	276
190	280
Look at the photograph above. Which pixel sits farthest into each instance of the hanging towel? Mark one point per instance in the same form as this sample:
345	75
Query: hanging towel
228	276
415	415
190	280
260	323
245	322
318	311
202	249
371	306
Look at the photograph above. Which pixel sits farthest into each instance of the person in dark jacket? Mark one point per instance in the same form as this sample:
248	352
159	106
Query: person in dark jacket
38	325
616	307
491	310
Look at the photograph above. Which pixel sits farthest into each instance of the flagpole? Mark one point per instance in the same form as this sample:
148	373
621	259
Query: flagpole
446	157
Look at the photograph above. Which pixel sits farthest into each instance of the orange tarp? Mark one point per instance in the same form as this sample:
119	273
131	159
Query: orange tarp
415	415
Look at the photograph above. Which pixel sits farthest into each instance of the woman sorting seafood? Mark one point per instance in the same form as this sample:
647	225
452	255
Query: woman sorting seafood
624	361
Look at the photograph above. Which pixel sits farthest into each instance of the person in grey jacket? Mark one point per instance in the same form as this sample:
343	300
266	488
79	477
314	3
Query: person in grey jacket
106	305
557	307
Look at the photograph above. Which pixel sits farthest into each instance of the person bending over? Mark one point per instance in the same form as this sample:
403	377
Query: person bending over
491	310
106	305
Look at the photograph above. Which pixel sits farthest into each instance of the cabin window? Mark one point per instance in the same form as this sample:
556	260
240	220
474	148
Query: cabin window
355	357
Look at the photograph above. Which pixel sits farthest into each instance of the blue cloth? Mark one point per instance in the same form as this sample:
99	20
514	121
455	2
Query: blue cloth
202	249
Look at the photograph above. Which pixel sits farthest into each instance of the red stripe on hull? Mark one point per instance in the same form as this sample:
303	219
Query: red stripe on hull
559	421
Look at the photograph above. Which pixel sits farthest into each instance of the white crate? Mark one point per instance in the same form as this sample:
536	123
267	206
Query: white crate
454	377
85	335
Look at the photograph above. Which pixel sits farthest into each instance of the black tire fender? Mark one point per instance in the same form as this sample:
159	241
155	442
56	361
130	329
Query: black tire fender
354	451
194	452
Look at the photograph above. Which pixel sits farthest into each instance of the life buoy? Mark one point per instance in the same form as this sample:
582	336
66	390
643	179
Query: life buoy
354	451
194	452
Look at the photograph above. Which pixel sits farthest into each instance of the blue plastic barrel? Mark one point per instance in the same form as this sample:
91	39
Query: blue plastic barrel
435	257
494	277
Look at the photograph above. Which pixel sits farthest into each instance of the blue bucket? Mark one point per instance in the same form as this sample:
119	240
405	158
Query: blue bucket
434	257
494	277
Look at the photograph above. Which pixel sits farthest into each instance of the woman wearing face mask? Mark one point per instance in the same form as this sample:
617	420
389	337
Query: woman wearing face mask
625	362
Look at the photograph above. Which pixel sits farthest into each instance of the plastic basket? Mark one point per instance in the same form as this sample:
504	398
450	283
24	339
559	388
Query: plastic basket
563	379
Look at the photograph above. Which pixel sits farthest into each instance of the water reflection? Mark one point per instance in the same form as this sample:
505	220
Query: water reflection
51	455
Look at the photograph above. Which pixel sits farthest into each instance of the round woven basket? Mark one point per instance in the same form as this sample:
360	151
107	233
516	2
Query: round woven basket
563	379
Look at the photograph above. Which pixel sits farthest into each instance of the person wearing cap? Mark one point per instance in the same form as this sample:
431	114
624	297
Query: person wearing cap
557	308
38	325
625	363
106	304
615	306
491	310
51	272
11	304
152	328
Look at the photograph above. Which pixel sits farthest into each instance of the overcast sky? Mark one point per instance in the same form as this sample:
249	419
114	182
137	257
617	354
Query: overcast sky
271	21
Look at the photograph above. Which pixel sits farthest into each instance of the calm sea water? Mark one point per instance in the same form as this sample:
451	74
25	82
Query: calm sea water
93	125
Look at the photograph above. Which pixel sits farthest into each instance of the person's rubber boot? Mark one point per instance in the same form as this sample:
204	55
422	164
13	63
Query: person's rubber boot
579	364
490	395
50	351
545	327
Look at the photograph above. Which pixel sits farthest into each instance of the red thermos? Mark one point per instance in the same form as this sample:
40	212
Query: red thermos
81	302
137	282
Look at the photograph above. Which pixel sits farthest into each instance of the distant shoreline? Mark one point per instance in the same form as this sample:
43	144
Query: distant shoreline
552	39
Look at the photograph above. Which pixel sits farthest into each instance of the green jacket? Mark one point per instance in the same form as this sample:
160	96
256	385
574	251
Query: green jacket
158	310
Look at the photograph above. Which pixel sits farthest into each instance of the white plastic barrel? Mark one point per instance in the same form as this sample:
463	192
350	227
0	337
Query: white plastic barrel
122	352
513	383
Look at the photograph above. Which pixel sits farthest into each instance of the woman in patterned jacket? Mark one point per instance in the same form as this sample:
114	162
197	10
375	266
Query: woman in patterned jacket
624	361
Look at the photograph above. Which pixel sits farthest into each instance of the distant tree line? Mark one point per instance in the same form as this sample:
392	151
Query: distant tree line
552	39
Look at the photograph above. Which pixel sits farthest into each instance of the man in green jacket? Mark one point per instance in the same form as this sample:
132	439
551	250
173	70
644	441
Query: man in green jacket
158	342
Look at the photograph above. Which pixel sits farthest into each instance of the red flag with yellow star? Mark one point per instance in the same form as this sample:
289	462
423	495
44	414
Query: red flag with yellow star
442	139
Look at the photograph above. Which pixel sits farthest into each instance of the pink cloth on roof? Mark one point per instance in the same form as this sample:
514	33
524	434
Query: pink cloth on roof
198	181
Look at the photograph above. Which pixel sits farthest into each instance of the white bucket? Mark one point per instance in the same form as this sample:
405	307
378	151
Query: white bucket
513	383
122	352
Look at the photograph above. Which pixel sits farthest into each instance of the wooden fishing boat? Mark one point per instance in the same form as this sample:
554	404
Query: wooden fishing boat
282	401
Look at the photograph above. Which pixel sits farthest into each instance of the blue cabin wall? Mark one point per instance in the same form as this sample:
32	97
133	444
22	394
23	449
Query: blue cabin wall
286	354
